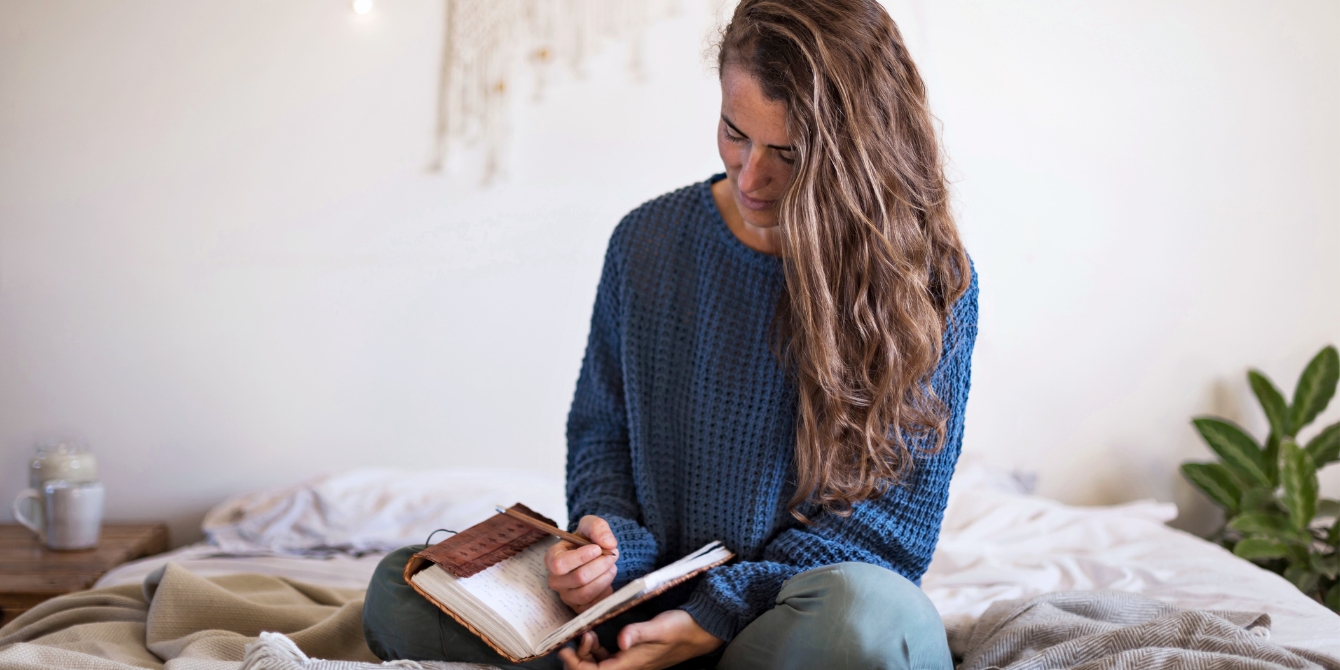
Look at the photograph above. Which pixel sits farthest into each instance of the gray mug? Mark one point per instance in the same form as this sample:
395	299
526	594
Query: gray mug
71	513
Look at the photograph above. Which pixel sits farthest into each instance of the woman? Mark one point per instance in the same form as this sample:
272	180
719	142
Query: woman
778	359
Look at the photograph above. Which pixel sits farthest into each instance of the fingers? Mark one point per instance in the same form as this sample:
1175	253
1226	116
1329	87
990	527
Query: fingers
561	561
572	662
587	654
598	531
581	598
668	638
590	648
632	634
557	548
585	584
591	591
564	556
584	575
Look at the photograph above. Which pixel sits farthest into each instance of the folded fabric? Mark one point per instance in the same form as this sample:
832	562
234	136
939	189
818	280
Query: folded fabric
374	510
179	621
1107	631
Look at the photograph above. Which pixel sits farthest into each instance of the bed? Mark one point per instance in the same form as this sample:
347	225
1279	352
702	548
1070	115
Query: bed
998	543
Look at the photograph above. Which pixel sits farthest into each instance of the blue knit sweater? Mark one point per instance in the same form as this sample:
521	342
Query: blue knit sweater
682	430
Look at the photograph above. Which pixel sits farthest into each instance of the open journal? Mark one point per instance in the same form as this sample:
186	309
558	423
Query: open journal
492	579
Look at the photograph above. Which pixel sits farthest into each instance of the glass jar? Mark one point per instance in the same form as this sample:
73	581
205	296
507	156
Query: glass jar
70	461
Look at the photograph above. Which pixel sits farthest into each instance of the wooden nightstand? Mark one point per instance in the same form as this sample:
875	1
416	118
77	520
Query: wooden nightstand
31	573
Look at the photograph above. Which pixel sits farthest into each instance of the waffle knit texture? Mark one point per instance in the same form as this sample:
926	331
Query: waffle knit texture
682	429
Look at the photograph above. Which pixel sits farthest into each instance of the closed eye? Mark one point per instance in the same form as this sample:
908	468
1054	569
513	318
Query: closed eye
733	134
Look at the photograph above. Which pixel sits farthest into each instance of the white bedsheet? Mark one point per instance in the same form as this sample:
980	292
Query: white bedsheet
374	509
996	543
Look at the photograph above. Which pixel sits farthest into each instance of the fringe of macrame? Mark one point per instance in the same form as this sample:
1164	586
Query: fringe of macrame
275	651
488	42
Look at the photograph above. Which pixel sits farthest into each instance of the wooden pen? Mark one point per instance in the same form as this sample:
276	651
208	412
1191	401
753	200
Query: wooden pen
552	530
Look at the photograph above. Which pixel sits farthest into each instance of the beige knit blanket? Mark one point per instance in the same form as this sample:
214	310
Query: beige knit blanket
179	621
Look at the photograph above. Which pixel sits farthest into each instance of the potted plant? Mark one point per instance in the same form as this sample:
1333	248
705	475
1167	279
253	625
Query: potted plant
1274	515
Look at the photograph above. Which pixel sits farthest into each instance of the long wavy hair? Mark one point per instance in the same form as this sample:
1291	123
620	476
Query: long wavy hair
872	258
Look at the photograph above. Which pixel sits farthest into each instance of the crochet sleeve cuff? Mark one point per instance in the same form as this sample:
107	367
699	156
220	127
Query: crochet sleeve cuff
731	597
637	549
712	617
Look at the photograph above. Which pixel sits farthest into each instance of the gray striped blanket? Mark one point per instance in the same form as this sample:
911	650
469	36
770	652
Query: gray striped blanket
1118	631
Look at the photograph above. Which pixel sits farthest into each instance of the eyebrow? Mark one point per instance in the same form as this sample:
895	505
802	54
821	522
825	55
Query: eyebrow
741	134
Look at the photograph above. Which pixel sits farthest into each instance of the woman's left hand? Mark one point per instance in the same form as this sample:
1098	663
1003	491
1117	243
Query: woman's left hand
668	638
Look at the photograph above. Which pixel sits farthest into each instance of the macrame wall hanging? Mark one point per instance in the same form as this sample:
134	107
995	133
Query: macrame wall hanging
489	43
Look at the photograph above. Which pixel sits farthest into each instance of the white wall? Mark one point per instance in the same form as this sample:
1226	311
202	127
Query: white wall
222	264
1150	191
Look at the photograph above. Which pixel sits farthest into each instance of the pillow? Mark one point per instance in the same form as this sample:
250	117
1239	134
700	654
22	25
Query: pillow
377	509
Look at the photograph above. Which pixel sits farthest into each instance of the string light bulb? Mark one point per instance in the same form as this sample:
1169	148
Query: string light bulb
362	6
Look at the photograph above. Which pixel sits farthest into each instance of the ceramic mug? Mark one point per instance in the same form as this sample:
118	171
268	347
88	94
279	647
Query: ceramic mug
71	513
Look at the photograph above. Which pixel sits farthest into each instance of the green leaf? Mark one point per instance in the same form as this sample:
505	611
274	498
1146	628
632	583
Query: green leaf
1328	565
1303	577
1256	499
1333	536
1325	446
1260	547
1299	477
1270	459
1333	598
1276	407
1268	525
1328	507
1299	555
1216	482
1234	446
1315	387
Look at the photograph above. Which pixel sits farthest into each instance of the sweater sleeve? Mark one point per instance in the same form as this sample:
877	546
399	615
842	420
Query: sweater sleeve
599	465
897	531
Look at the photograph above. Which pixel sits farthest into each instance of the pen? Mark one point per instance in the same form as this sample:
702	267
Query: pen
552	530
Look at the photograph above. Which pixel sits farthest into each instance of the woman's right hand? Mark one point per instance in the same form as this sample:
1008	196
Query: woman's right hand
582	576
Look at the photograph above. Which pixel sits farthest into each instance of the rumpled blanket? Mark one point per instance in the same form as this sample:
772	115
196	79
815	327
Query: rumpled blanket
179	621
1089	630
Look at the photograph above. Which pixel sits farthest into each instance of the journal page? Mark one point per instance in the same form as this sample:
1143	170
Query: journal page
518	590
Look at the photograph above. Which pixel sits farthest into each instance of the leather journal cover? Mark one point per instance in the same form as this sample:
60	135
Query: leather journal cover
494	540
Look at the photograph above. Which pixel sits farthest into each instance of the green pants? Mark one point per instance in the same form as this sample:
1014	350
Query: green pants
849	615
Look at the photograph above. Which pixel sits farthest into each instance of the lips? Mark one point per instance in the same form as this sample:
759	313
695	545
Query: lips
754	203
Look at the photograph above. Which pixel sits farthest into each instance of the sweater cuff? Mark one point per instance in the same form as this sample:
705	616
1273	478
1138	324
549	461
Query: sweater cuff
714	619
637	549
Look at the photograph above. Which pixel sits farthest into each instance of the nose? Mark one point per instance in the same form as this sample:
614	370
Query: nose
753	172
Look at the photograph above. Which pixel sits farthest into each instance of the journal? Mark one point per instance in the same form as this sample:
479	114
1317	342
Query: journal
492	579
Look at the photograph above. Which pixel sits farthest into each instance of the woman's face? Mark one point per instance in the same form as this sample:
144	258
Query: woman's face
752	139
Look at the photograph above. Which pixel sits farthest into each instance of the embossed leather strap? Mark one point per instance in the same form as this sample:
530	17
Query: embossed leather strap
486	543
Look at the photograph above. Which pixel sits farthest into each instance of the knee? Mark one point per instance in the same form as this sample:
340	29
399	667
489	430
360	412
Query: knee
387	596
855	590
389	576
875	611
